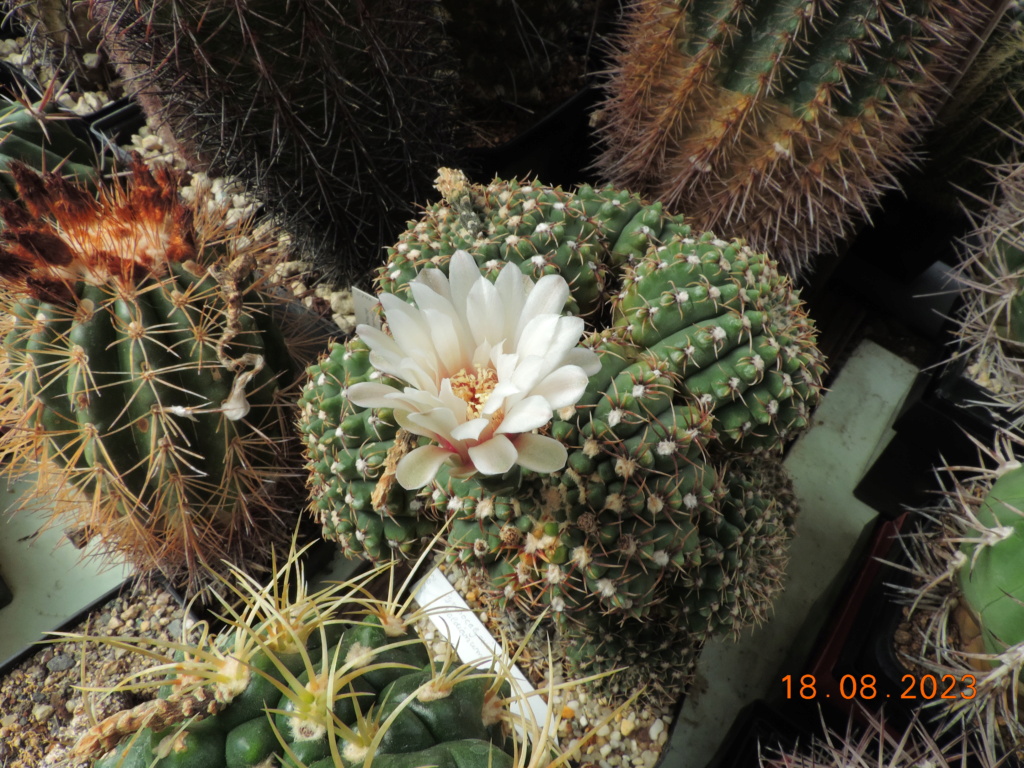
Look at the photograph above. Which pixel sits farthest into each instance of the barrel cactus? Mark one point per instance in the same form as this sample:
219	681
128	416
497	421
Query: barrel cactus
311	679
612	475
332	114
968	578
147	370
992	276
784	121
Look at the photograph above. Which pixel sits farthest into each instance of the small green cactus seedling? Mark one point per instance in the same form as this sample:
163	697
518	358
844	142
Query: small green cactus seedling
785	121
146	372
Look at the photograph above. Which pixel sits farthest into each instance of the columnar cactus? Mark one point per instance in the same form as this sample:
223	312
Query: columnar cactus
968	578
782	121
333	114
635	491
316	679
146	372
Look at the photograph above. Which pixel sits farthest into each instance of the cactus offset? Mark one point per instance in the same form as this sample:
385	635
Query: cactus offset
782	121
706	357
147	372
331	113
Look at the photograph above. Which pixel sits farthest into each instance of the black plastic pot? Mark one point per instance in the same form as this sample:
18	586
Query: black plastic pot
935	427
6	596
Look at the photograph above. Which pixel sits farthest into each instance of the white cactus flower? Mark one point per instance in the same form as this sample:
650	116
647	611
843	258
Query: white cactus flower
485	366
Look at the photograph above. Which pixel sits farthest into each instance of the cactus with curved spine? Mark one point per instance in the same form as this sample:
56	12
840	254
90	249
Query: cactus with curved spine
708	355
870	741
992	276
332	114
786	122
968	582
147	371
29	134
313	678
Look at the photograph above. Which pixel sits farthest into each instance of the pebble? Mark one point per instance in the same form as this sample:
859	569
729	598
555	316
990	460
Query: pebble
656	729
627	727
42	712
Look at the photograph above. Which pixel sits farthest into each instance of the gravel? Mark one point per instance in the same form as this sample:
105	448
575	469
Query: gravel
44	709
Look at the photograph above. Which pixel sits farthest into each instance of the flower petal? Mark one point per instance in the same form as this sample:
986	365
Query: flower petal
540	453
439	421
547	297
563	386
526	415
471	430
494	457
419	466
372	394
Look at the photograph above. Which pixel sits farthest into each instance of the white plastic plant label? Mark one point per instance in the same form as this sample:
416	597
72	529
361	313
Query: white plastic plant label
472	642
363	304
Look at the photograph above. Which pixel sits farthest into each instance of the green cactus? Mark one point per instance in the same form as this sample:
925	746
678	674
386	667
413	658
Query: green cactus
968	584
34	136
147	372
333	114
707	355
784	121
303	678
990	579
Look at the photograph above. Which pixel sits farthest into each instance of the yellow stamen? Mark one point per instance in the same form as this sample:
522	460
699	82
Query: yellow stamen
474	388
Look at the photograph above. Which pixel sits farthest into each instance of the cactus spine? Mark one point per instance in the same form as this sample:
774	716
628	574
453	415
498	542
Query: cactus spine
329	112
783	121
968	581
147	372
29	136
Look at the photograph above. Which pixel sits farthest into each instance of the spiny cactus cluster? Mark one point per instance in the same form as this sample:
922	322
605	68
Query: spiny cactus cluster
333	114
316	679
784	121
870	741
146	372
967	572
992	276
705	361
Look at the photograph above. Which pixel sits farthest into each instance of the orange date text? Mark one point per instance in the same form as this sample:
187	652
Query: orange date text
925	687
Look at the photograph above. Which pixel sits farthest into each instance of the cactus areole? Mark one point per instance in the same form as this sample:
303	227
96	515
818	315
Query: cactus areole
143	372
991	578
